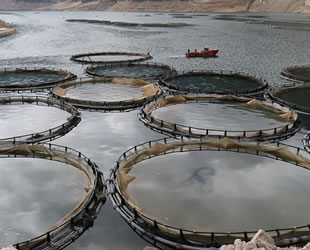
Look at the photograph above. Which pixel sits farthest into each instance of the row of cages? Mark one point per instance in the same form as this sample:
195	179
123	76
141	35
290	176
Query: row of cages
188	138
153	94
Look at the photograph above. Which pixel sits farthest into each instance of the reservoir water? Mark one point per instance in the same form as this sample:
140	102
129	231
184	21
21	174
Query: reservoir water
45	39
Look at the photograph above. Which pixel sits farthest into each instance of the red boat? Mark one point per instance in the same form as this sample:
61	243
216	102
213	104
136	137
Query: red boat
204	53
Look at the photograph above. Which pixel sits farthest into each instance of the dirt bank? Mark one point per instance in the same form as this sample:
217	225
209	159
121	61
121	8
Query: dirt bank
292	6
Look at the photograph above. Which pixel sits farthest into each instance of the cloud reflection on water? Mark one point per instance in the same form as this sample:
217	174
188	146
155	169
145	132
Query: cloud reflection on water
235	192
34	195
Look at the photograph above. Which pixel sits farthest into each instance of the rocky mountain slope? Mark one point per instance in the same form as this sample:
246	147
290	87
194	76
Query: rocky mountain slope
298	6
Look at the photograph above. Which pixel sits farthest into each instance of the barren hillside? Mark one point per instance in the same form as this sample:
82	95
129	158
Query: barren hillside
298	6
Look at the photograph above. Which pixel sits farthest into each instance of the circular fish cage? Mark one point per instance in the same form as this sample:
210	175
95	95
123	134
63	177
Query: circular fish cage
145	71
247	118
300	74
182	219
32	78
296	97
110	57
107	93
218	82
83	215
68	113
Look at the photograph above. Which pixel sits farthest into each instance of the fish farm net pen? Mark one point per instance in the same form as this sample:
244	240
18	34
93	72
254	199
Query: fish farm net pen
29	85
173	87
171	236
80	58
298	74
82	217
174	129
149	92
110	70
50	134
273	94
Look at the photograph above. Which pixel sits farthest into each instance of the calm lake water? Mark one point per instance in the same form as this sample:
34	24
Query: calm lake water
45	39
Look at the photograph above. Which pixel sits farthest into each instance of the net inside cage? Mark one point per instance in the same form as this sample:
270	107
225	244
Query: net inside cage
71	216
139	71
32	119
208	180
295	96
185	115
209	82
297	73
28	78
107	93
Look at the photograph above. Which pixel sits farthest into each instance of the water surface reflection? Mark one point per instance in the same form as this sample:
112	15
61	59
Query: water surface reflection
34	195
221	191
26	119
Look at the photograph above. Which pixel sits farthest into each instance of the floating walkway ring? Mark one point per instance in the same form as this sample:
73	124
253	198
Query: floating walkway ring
132	70
75	223
299	74
31	84
171	82
291	126
275	94
180	238
50	134
91	57
149	92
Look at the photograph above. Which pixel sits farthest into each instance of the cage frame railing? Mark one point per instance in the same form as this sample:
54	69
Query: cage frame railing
291	77
299	108
248	92
75	58
74	226
122	105
175	129
33	87
149	228
49	134
171	70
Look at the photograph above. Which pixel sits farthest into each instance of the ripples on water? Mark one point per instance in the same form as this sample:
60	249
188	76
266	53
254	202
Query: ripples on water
44	39
131	71
212	82
28	78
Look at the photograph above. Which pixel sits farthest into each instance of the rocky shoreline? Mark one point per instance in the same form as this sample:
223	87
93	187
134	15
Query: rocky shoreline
6	29
261	241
